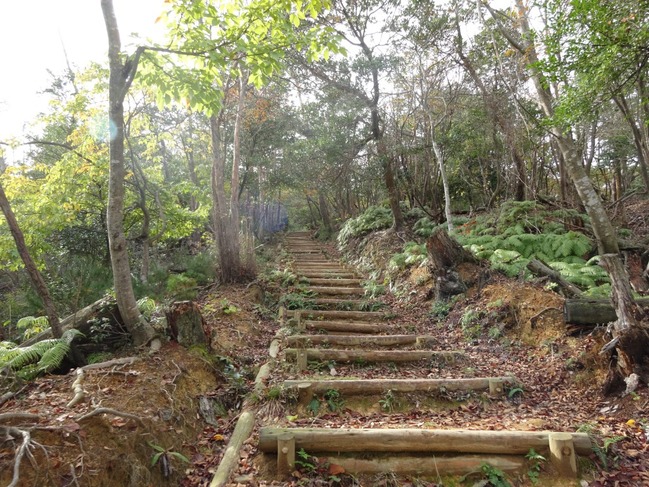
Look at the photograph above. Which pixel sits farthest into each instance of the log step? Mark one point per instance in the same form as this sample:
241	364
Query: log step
328	274
346	327
417	440
360	340
341	291
373	356
333	281
379	386
334	303
324	314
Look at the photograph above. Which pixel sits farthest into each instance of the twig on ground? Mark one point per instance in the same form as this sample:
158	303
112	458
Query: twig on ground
20	451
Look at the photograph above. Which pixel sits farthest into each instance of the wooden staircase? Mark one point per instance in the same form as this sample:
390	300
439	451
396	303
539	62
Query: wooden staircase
352	337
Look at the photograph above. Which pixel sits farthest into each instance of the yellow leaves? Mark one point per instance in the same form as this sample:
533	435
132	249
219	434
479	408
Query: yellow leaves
631	423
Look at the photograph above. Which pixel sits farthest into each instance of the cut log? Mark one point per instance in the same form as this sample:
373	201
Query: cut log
360	341
346	326
335	282
230	458
328	274
186	324
336	291
538	268
593	311
422	465
376	355
378	386
315	314
417	440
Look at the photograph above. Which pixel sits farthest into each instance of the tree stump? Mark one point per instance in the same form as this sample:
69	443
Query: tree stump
444	255
186	324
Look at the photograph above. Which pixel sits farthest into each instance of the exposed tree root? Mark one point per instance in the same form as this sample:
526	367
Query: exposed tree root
114	412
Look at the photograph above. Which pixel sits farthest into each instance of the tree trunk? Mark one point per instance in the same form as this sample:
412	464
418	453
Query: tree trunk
447	194
121	77
444	255
226	239
324	213
37	281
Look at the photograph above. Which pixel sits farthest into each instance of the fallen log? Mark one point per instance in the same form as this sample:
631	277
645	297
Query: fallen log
417	440
375	355
538	268
593	311
81	320
378	386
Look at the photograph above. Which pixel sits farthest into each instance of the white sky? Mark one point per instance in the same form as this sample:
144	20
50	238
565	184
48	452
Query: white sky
33	35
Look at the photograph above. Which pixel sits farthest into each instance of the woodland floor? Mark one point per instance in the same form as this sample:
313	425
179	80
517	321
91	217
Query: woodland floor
561	377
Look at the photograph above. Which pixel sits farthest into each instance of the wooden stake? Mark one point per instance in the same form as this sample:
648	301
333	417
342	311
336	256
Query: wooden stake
285	455
301	326
282	315
301	359
496	386
562	453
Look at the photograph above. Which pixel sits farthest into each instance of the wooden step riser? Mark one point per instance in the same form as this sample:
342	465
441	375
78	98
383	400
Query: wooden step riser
375	356
417	440
380	386
336	315
336	291
335	282
346	327
360	341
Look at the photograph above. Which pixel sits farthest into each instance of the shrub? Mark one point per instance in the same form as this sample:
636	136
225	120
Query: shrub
374	218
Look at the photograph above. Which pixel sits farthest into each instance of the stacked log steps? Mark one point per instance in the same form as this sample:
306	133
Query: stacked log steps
356	336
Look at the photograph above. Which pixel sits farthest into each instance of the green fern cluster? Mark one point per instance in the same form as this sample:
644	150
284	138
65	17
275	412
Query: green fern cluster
374	218
413	254
424	227
523	231
37	359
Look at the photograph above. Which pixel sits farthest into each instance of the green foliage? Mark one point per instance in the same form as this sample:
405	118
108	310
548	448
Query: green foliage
334	401
413	254
388	402
424	227
495	476
285	278
374	218
146	306
32	326
523	231
163	456
181	287
373	289
227	307
605	453
298	300
536	462
37	359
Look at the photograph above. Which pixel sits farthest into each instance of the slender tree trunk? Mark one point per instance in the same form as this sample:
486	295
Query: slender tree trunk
228	244
447	194
639	138
324	212
121	77
38	283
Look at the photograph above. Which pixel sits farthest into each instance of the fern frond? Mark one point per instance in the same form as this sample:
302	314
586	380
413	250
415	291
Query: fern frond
53	357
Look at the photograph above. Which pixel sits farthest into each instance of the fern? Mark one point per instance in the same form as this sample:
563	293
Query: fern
39	358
